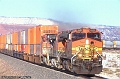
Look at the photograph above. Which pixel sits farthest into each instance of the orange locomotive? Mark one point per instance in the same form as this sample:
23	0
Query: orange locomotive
81	50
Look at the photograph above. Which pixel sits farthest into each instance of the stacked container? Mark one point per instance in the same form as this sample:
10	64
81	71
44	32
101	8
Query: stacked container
25	43
28	42
4	44
0	44
15	43
10	45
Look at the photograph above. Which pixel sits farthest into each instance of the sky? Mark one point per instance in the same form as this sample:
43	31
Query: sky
99	12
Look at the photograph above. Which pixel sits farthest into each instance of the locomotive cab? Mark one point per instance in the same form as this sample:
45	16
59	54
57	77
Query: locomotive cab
82	51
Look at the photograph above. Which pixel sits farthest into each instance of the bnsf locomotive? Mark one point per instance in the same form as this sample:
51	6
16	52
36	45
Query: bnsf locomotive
77	50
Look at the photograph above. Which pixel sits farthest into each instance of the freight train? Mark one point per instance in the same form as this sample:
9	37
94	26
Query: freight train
77	50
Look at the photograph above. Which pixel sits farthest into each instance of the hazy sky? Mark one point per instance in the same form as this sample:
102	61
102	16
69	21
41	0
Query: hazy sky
104	12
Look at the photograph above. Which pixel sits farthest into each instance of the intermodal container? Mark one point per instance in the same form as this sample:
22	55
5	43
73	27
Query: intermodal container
31	48
15	38
34	49
6	46
4	39
23	37
108	44
37	49
26	36
116	44
32	35
9	47
27	49
29	42
15	47
12	47
0	39
19	48
38	35
22	47
8	39
3	46
19	39
11	38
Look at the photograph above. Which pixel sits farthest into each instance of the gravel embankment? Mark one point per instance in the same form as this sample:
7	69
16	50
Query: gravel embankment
14	67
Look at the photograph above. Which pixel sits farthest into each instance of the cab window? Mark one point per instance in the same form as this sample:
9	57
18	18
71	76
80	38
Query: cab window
93	35
77	36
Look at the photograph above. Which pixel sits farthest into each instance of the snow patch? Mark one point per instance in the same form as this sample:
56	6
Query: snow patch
111	65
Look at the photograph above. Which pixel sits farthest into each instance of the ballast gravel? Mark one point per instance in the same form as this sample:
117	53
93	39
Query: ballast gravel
10	66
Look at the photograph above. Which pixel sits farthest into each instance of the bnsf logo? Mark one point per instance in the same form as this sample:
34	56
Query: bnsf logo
49	31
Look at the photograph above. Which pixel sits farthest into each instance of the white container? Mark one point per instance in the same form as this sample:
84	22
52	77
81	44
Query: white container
116	44
38	49
23	37
6	47
109	44
19	37
8	39
31	49
26	36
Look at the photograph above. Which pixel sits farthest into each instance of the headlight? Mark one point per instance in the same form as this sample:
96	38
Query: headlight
79	55
87	41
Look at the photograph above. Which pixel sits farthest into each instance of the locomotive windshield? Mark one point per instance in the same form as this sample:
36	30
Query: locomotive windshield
93	35
77	36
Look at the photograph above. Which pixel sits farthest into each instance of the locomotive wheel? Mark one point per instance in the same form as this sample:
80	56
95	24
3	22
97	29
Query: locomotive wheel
44	60
66	65
53	63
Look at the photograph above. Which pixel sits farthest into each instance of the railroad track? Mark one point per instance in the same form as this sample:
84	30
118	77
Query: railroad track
76	76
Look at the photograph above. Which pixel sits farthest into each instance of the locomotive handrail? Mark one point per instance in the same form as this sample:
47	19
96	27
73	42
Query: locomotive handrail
99	55
74	56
